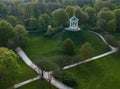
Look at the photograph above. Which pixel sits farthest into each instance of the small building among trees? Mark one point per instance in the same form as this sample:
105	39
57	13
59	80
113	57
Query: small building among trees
73	24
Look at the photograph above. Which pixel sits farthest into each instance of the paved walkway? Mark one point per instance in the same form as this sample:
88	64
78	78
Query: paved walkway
26	82
113	50
54	81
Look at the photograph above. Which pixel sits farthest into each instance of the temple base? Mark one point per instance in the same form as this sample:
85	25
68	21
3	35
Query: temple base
72	29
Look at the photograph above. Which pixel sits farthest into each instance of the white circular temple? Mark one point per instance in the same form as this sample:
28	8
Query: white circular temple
73	24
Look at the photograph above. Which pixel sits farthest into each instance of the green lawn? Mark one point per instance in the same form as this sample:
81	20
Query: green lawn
25	72
38	85
99	74
39	46
82	36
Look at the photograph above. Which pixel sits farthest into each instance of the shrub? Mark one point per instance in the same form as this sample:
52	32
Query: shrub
65	78
68	46
52	31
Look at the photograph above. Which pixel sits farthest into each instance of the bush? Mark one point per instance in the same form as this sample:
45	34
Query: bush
86	51
65	78
68	46
64	61
110	39
52	31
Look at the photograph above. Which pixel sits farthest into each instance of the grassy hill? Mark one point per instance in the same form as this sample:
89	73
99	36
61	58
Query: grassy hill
82	36
39	46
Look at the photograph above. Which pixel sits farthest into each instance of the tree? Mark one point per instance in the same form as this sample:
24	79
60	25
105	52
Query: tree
111	25
12	20
105	19
21	34
100	4
82	16
4	11
6	32
45	65
33	24
86	51
42	24
117	18
64	60
9	68
92	16
70	11
46	19
118	46
110	39
60	16
65	78
68	46
35	10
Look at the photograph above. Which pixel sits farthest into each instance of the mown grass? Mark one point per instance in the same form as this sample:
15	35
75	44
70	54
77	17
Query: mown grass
100	74
25	72
39	46
82	36
39	84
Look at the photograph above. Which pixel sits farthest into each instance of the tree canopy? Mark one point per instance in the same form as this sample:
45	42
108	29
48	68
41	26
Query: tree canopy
6	32
60	16
9	68
86	51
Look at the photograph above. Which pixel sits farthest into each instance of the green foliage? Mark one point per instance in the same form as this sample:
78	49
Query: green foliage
111	25
42	24
46	65
6	32
82	16
100	4
35	9
118	46
21	34
32	24
65	78
105	19
12	20
86	51
9	68
68	46
64	60
52	31
111	39
46	18
70	11
60	16
117	18
92	16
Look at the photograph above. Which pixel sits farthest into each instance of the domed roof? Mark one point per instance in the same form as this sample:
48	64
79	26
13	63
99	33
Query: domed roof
74	18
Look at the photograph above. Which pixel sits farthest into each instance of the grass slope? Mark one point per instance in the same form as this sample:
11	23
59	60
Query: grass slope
82	36
39	46
99	74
